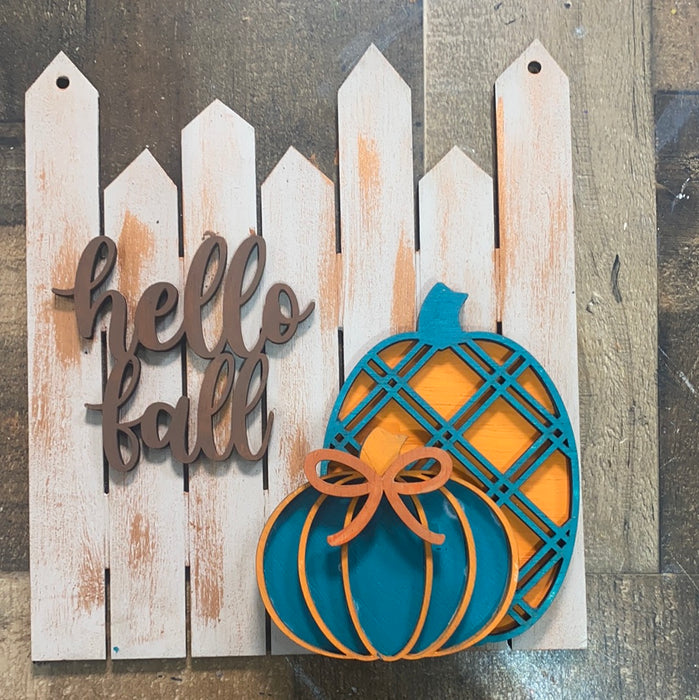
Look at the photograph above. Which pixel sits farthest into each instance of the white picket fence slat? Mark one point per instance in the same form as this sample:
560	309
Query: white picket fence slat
456	209
146	504
456	214
377	218
226	500
66	490
298	214
537	256
369	291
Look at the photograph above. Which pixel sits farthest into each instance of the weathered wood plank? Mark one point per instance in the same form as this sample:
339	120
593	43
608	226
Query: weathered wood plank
677	136
14	496
537	271
67	504
614	220
146	504
162	678
457	236
376	206
675	64
13	345
643	637
36	33
226	506
266	62
12	167
298	211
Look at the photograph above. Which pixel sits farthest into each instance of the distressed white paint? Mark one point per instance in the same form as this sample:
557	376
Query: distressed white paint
66	495
146	505
298	214
535	196
457	243
457	236
371	290
376	206
226	501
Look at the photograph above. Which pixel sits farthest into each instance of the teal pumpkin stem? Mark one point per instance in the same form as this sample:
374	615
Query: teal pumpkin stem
438	319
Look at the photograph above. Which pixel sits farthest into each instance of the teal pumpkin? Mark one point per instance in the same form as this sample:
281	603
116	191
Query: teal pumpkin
387	593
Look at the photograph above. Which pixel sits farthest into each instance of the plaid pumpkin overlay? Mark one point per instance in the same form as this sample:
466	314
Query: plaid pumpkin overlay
496	385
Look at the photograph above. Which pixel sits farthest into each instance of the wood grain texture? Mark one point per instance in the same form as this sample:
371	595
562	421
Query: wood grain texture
13	344
457	236
226	507
12	168
675	37
537	271
376	206
643	636
67	526
162	678
298	213
36	32
67	504
146	505
677	136
640	645
614	221
277	66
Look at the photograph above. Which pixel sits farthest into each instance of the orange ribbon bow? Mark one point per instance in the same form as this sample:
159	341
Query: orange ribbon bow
378	484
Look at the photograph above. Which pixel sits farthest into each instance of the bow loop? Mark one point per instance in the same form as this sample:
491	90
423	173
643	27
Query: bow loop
375	485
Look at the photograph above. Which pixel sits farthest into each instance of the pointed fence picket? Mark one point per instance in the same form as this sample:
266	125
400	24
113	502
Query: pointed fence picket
456	214
535	195
298	205
364	294
226	506
377	220
66	492
146	504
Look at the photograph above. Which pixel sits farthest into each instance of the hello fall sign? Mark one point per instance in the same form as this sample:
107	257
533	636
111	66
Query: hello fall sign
177	382
221	383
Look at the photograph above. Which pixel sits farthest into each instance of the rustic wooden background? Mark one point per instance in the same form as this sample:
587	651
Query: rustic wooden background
633	69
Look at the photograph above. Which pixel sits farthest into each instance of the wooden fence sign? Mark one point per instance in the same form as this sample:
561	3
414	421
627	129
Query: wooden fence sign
267	420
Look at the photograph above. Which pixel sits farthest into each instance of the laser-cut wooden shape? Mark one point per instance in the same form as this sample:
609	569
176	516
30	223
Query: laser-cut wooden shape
147	521
487	402
67	505
414	555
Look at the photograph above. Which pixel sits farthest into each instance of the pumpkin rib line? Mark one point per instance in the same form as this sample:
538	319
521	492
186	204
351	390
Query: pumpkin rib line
305	588
261	583
427	591
344	560
465	600
510	590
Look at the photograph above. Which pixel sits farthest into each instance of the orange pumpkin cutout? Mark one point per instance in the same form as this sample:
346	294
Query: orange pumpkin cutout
487	402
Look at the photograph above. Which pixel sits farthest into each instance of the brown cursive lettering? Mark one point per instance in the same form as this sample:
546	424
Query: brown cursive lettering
226	379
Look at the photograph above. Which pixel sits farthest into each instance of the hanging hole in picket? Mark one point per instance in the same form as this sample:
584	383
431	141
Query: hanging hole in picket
534	67
62	82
